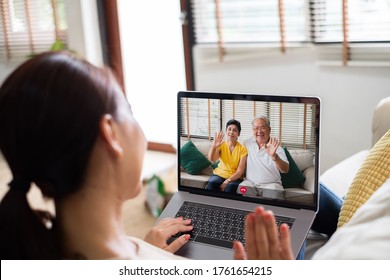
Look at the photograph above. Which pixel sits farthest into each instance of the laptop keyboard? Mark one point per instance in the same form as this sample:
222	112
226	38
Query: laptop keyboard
218	226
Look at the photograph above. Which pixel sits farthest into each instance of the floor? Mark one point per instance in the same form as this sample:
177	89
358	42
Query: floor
137	219
163	164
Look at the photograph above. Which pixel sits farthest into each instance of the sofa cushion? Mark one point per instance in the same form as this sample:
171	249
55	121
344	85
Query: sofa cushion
208	171
195	181
340	176
380	120
192	160
294	176
303	158
309	174
203	146
374	171
298	194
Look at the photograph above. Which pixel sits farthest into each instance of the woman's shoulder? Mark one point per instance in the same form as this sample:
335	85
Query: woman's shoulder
241	146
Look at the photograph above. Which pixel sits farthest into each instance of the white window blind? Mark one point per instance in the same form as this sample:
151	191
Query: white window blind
249	21
243	111
28	27
367	20
342	30
200	117
258	20
292	123
361	26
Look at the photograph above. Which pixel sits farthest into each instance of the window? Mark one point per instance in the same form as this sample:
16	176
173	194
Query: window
28	27
248	21
354	29
367	21
292	123
362	26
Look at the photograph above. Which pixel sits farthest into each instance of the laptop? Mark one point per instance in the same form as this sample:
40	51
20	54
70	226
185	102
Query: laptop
219	217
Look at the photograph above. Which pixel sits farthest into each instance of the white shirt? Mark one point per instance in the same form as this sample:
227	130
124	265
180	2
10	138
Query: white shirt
366	235
261	169
146	251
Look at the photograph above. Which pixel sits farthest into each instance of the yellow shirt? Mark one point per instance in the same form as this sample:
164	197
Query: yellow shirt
229	161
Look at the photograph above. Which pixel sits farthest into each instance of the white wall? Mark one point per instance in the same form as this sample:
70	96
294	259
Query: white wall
83	30
349	94
153	62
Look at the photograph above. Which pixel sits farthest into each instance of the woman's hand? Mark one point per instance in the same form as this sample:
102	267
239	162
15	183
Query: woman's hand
262	241
166	228
218	139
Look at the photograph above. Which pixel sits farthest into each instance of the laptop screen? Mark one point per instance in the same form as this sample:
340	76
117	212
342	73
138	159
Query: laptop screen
256	148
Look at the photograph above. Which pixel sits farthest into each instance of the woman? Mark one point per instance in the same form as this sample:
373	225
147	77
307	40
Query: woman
228	175
66	126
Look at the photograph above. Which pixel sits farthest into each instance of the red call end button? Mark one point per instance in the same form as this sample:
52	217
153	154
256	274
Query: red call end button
243	190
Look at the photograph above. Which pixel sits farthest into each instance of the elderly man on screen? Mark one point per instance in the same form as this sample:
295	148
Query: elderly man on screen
266	159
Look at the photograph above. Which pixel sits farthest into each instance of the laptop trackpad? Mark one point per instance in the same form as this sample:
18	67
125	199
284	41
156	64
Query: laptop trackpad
195	250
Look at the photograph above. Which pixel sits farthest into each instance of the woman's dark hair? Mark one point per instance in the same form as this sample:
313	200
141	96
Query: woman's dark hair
50	109
234	122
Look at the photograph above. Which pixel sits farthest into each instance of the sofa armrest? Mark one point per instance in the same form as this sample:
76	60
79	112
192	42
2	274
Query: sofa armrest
309	182
380	120
340	176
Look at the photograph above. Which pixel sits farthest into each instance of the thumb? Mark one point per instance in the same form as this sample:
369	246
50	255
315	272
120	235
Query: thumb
177	243
239	251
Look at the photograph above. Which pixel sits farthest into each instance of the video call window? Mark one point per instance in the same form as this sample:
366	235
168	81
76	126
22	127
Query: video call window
294	124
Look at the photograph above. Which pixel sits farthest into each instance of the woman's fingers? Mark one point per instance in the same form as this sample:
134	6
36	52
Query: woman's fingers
285	243
262	240
177	243
173	227
178	227
159	235
250	242
239	251
272	234
218	139
261	237
172	221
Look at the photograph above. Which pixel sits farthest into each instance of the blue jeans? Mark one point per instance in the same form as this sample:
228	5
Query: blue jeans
328	212
327	216
216	181
301	254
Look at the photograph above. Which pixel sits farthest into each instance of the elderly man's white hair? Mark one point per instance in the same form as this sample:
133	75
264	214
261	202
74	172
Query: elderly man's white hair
261	117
